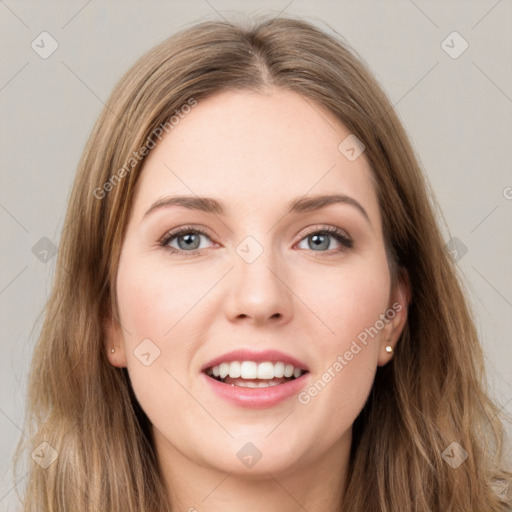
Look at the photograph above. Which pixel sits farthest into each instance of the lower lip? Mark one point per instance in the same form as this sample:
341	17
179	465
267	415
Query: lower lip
257	398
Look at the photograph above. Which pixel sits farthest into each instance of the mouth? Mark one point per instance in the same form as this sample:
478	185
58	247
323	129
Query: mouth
250	374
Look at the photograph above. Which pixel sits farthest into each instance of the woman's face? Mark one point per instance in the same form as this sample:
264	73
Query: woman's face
260	276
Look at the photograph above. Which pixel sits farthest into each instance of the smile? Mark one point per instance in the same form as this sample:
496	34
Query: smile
255	385
250	374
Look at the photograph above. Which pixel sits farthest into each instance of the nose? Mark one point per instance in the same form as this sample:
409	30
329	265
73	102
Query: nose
257	291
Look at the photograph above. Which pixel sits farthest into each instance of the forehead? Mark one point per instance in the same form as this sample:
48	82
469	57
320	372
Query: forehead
255	150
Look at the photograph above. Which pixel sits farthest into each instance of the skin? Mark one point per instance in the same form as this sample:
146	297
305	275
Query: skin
255	152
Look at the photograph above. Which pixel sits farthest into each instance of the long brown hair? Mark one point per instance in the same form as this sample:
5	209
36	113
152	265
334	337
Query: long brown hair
431	395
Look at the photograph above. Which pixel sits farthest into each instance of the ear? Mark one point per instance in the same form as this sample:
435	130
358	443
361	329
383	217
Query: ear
396	315
114	341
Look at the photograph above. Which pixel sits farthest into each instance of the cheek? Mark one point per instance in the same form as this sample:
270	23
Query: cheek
153	300
348	300
350	304
156	307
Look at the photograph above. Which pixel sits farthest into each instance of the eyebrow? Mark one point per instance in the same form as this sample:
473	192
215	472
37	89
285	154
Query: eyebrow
299	205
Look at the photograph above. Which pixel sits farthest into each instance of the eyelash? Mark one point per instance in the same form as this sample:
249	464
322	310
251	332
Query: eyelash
336	233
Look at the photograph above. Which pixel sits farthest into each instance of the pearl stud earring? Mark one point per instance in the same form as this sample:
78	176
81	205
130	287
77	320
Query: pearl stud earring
389	349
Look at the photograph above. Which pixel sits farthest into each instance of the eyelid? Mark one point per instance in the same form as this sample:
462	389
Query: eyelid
172	233
325	228
339	234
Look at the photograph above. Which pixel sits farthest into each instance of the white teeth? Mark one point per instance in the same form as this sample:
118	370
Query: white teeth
265	371
250	384
278	370
252	370
249	370
234	370
224	370
288	370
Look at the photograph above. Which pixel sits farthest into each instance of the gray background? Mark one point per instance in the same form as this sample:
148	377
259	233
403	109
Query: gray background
457	111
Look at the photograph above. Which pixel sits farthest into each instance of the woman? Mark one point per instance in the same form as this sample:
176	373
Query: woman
253	307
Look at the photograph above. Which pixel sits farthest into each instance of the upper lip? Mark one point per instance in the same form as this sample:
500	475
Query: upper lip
273	356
